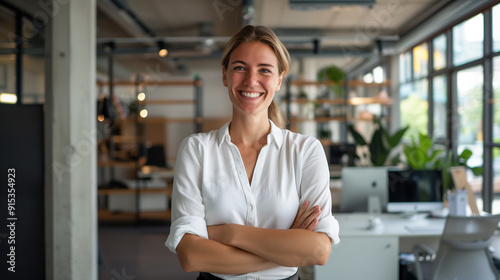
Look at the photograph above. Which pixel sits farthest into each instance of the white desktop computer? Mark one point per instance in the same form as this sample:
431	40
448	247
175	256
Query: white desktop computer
364	189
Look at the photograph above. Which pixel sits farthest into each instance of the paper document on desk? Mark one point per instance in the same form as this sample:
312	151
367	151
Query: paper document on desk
424	228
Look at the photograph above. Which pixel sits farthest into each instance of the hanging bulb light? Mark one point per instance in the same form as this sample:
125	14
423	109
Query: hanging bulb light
162	49
141	96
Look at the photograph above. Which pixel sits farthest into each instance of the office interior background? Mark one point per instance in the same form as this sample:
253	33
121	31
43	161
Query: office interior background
432	65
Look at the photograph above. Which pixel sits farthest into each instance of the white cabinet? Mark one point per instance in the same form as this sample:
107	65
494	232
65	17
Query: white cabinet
362	258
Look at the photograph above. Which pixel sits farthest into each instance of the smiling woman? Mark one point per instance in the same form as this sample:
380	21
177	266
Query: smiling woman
252	77
252	199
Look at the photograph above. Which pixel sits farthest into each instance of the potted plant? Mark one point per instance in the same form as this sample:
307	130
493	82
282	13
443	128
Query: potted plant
334	74
422	155
381	144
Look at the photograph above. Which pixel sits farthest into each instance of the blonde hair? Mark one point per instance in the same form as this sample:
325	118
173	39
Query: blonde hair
249	34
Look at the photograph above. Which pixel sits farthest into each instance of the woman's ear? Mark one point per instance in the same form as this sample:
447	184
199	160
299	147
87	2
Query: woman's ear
280	81
224	80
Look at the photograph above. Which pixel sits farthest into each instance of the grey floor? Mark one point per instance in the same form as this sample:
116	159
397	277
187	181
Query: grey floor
138	253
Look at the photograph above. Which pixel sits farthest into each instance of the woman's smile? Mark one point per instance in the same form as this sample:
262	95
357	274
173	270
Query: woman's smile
250	94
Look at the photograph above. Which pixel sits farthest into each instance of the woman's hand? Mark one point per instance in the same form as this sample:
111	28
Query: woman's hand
306	218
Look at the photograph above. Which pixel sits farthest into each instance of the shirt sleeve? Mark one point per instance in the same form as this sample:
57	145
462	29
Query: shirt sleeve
188	211
315	187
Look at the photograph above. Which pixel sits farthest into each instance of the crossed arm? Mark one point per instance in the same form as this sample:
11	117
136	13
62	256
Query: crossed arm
237	249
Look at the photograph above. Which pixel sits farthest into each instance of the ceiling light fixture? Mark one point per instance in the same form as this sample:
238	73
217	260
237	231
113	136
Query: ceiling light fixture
162	49
141	96
9	98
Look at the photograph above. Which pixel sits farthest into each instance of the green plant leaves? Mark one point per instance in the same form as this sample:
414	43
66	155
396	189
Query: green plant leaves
381	143
357	137
421	155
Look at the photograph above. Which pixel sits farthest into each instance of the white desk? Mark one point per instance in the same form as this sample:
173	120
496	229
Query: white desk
374	254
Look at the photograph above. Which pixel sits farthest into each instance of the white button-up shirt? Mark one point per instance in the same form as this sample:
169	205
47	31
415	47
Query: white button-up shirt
211	187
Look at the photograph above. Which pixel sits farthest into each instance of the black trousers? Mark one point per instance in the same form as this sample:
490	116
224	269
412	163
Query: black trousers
208	276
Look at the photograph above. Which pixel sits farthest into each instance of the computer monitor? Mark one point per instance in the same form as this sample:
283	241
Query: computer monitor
361	185
412	191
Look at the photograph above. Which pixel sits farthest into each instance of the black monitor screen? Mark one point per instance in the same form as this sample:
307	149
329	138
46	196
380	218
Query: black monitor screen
415	185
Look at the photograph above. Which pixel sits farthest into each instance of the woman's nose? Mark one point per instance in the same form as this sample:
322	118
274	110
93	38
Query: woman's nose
251	78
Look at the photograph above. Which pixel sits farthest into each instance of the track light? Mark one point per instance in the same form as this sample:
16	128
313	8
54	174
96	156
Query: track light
9	98
162	49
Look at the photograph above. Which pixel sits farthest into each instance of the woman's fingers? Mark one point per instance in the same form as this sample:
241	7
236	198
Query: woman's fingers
299	219
306	218
311	217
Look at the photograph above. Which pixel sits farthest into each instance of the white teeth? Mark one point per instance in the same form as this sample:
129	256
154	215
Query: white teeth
250	94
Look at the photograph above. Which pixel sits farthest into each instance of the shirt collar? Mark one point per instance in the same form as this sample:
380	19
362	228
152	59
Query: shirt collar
276	134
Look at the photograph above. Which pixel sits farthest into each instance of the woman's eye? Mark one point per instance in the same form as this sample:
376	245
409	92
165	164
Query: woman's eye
265	70
239	68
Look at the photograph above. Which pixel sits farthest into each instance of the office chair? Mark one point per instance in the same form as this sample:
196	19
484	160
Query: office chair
463	251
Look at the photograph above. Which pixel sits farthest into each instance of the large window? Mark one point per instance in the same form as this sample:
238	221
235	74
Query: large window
414	108
470	112
496	179
456	80
405	67
470	119
420	61
7	61
496	100
496	28
439	97
496	132
439	56
468	40
33	74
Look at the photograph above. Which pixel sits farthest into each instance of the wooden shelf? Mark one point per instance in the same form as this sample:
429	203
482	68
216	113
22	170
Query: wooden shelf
318	119
119	139
112	163
369	100
167	191
137	131
160	120
328	119
352	83
366	119
166	102
106	215
336	101
153	83
156	215
351	101
328	142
